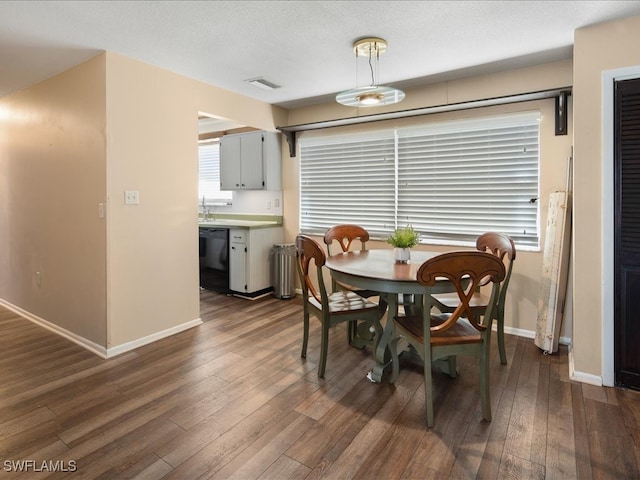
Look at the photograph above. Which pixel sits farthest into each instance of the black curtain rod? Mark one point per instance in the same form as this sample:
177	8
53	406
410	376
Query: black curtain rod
560	94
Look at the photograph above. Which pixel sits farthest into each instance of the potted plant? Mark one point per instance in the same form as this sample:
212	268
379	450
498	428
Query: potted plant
402	239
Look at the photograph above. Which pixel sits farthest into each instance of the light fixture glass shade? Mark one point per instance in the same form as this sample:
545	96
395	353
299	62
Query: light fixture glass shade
373	95
370	96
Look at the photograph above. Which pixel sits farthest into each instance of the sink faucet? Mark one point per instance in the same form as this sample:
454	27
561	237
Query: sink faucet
207	214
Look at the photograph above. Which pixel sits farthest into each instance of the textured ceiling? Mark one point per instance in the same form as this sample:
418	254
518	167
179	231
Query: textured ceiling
304	46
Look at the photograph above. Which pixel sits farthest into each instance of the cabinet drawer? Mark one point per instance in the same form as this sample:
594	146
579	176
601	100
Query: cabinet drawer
238	236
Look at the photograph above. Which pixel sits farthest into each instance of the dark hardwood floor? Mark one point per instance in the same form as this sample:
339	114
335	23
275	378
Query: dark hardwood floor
233	399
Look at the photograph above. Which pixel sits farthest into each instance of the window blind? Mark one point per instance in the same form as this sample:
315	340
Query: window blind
451	181
209	175
347	179
460	179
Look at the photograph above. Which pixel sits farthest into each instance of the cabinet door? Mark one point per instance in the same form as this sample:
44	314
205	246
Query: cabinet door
251	161
230	170
238	260
259	257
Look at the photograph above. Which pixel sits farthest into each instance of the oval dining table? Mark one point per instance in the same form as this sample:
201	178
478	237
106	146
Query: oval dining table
377	270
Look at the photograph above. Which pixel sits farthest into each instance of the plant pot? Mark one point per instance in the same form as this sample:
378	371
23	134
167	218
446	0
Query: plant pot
402	255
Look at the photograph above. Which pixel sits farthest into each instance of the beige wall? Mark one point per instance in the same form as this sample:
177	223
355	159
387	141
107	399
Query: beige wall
81	139
52	174
152	147
521	314
597	49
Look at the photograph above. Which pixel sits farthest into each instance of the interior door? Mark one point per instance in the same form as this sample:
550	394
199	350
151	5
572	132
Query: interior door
627	233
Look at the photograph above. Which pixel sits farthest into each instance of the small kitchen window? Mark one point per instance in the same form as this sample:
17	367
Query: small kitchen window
209	192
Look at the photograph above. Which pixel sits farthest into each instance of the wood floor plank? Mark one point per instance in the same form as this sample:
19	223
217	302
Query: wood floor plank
473	446
389	457
158	469
457	409
609	439
560	442
349	430
256	460
163	399
232	398
180	449
356	454
492	457
520	433
581	436
513	467
23	444
217	453
115	457
17	398
331	427
543	409
629	402
285	468
47	450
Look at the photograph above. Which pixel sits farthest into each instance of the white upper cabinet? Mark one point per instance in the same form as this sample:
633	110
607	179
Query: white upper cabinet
250	161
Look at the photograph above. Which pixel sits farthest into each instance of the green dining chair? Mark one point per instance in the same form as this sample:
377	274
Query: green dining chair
503	247
330	308
447	335
346	236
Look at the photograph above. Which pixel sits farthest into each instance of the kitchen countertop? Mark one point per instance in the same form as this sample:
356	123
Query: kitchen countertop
241	221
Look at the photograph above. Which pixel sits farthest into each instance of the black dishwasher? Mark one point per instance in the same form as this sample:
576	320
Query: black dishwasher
214	259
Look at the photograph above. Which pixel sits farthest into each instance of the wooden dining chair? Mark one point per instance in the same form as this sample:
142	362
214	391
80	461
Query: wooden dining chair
503	247
330	308
446	335
346	236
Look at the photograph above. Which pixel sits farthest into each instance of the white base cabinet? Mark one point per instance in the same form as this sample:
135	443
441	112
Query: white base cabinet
250	259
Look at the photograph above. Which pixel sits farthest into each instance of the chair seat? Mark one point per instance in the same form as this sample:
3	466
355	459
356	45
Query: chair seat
461	332
345	302
359	291
450	300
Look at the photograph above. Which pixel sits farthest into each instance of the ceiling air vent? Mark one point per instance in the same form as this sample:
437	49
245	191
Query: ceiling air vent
262	83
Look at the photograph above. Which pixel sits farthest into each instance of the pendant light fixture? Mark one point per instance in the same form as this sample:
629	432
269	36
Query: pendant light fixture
373	95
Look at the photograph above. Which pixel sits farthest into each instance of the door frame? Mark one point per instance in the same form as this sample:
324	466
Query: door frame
609	77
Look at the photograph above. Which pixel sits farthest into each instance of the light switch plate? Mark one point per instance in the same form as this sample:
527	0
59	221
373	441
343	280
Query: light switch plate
131	197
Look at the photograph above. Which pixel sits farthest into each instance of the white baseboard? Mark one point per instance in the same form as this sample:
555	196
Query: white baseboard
126	347
581	376
77	339
519	332
573	375
94	347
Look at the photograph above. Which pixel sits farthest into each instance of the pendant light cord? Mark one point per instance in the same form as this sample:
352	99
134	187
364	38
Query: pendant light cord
373	80
377	53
